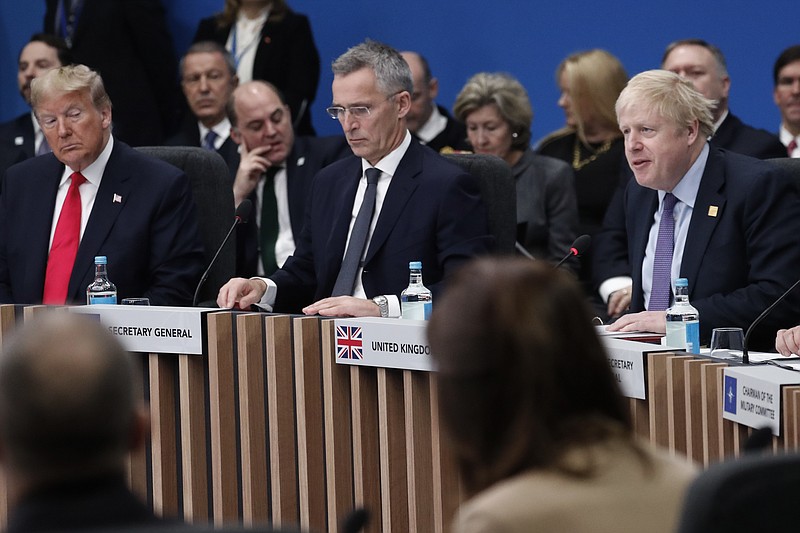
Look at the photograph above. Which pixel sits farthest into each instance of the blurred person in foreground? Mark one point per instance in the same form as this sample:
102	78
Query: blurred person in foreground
532	410
498	115
69	417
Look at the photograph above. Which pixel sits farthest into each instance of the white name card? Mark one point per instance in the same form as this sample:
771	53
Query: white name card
752	395
153	329
626	358
383	342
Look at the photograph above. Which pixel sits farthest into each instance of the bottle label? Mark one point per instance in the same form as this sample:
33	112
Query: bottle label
110	299
693	336
416	310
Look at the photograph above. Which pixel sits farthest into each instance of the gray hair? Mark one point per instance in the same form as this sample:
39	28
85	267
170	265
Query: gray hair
391	70
719	57
504	91
210	47
67	79
670	96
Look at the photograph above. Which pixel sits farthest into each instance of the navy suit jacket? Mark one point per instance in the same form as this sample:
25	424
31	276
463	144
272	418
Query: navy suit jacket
20	128
736	136
308	156
432	213
738	258
150	235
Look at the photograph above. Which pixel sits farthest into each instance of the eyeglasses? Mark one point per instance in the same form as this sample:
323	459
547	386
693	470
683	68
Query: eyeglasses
358	112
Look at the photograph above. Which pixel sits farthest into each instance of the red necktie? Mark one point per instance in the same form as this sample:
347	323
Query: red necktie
791	146
65	245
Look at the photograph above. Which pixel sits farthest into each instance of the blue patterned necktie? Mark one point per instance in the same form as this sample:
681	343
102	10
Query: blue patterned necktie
661	290
208	142
346	279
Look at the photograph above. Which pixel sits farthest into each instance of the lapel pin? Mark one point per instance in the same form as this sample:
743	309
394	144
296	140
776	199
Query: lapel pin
713	210
117	199
267	40
18	141
301	161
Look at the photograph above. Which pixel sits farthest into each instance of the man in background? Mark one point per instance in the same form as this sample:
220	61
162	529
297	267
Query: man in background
208	78
704	65
274	169
430	123
786	77
22	136
70	414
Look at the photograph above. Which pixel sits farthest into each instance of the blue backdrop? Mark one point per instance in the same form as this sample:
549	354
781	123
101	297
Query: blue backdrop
521	37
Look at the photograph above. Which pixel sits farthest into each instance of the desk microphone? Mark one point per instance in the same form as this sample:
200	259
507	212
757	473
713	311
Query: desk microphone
759	318
241	216
579	246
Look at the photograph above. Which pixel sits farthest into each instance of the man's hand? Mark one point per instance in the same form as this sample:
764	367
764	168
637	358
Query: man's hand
252	165
652	321
619	301
787	342
345	306
241	293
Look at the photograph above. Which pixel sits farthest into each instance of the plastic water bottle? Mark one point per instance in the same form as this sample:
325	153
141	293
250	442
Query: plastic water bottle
416	300
101	290
683	320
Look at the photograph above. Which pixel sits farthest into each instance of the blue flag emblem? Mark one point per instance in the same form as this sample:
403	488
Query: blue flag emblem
730	395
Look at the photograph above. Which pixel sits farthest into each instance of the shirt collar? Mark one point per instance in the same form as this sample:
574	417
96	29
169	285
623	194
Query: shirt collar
686	189
390	162
435	124
94	172
786	136
221	128
722	118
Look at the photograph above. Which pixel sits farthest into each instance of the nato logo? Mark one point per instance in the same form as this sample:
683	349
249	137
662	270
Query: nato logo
730	395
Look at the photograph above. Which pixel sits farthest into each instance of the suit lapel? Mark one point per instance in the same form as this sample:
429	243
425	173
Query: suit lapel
111	198
40	225
643	204
400	190
709	207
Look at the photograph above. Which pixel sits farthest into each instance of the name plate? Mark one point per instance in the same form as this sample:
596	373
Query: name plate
626	358
752	395
153	329
383	342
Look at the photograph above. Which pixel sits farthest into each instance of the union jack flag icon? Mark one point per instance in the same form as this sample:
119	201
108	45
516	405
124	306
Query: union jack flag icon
349	342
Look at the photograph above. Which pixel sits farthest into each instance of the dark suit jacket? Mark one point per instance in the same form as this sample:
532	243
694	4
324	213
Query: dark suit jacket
129	43
99	503
20	127
286	57
308	156
737	262
454	135
150	237
736	136
432	213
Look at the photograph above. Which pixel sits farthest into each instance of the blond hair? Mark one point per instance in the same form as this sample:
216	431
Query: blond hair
71	78
670	96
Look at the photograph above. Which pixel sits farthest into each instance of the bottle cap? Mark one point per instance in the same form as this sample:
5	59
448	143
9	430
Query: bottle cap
681	282
415	265
100	260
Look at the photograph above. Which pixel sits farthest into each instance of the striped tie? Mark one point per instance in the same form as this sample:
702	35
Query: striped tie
662	264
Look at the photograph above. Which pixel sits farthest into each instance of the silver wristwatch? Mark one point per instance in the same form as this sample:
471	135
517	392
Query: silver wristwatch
383	304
